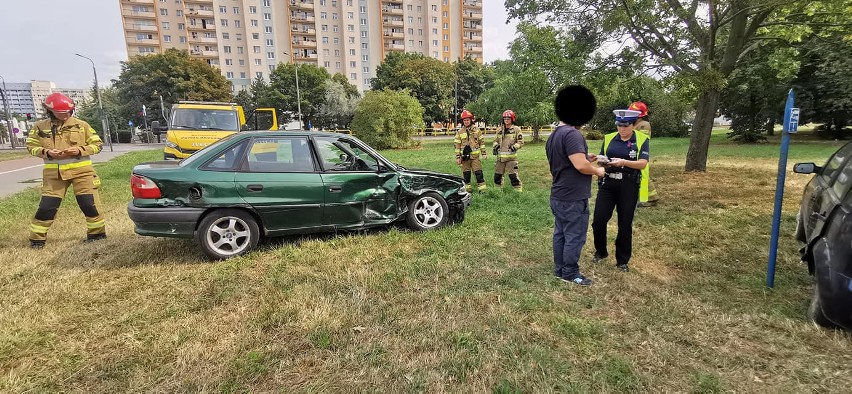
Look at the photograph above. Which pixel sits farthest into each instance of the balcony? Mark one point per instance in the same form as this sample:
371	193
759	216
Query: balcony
302	4
203	40
304	29
139	14
393	22
392	34
203	53
472	26
302	18
306	56
471	4
154	40
201	27
473	15
392	10
473	37
304	44
141	27
207	2
199	12
472	49
395	47
146	2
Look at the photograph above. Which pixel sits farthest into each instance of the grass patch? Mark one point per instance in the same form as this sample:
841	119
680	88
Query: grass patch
12	154
471	307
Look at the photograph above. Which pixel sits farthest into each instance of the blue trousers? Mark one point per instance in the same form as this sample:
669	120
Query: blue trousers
569	235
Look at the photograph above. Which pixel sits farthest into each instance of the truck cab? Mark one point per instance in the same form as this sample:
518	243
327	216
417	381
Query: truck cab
193	125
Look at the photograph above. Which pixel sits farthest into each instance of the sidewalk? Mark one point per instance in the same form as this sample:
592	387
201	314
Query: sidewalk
20	174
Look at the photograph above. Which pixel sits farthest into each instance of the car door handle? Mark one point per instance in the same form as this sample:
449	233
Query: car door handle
335	189
818	216
254	188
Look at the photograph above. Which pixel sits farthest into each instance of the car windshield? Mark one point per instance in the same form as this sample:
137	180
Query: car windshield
204	119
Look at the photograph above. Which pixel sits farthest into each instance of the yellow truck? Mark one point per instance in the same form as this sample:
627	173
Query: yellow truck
195	124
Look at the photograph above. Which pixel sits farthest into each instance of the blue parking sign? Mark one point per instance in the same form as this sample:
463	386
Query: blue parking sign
793	123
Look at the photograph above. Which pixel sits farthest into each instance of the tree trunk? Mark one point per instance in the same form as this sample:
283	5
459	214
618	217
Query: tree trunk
536	136
702	126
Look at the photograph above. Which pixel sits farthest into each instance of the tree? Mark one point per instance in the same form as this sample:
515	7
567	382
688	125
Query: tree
339	105
429	80
174	75
89	111
666	111
527	92
282	93
824	85
700	41
387	119
473	79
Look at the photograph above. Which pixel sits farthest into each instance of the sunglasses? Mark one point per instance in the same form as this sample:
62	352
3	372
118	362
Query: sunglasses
623	124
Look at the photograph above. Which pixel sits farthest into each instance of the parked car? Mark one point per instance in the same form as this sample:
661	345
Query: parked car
264	184
825	227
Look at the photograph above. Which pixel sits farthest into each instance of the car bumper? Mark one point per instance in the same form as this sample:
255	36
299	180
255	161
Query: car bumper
172	153
175	222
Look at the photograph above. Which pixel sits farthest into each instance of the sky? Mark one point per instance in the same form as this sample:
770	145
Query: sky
39	39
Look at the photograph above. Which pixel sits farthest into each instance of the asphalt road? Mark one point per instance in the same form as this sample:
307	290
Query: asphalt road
20	174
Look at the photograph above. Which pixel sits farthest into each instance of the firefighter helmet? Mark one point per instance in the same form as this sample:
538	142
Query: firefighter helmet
466	115
641	107
509	114
58	102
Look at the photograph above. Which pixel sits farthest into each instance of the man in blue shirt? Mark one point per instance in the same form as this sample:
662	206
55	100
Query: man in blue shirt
572	170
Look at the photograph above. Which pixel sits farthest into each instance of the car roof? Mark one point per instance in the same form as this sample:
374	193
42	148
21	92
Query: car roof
290	133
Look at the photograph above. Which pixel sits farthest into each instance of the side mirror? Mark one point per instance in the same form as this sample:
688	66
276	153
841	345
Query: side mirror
344	157
806	168
155	127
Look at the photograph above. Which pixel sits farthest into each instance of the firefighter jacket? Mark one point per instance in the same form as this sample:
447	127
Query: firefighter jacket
73	133
472	137
507	143
643	126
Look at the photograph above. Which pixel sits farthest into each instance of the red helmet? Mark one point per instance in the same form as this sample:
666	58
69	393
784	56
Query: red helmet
641	107
509	114
59	102
467	115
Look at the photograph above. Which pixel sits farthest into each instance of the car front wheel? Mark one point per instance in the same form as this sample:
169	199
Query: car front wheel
427	211
227	233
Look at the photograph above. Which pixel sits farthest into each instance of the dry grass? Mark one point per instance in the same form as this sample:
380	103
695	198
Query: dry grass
469	308
12	154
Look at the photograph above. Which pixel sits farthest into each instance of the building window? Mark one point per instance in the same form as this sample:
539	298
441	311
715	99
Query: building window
179	12
351	40
243	74
363	9
239	49
353	76
267	29
223	9
350	27
229	62
267	16
364	34
270	55
258	74
335	28
336	40
352	52
363	22
337	65
254	22
229	75
165	25
239	36
256	49
252	10
337	53
237	23
255	36
326	64
236	10
325	40
323	15
352	64
242	62
266	3
350	15
182	39
164	12
365	58
271	67
167	38
324	28
227	49
181	26
334	15
226	35
366	70
225	22
257	62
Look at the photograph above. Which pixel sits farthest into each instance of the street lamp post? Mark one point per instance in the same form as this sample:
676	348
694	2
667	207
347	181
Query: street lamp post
8	117
298	95
104	122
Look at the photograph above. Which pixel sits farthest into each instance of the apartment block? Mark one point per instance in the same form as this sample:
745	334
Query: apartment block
26	98
248	38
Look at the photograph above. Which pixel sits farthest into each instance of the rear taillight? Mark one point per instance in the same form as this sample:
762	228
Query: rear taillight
143	187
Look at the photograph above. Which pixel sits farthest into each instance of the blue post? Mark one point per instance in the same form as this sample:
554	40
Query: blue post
789	127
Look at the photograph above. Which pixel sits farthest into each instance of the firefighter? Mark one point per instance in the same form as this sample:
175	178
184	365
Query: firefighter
648	197
470	150
66	144
506	144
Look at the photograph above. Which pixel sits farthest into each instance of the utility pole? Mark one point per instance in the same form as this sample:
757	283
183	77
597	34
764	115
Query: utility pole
104	121
8	117
298	95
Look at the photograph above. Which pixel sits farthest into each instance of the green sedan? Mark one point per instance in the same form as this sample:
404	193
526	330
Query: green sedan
265	184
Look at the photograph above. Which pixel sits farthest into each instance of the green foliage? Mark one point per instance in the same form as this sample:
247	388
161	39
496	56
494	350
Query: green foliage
174	75
665	112
339	105
429	80
473	79
387	119
823	84
113	108
282	93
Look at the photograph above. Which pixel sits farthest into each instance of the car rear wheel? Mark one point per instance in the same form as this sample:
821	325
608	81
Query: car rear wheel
427	211
227	233
815	312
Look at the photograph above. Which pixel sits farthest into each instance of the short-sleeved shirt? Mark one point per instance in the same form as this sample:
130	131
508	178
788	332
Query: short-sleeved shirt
568	183
626	150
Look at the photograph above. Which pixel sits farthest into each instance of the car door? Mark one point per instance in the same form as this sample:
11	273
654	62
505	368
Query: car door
823	199
279	178
358	189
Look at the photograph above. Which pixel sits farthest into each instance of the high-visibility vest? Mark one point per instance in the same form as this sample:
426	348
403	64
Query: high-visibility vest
640	140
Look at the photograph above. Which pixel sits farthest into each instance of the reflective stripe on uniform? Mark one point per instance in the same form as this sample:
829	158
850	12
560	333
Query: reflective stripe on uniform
38	229
98	224
66	164
507	155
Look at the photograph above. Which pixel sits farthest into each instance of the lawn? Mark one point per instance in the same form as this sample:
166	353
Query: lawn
470	308
12	154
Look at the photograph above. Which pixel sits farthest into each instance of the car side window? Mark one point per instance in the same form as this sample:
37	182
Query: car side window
338	154
835	162
280	154
228	160
844	181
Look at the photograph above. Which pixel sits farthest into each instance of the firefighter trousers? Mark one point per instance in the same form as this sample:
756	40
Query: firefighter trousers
53	191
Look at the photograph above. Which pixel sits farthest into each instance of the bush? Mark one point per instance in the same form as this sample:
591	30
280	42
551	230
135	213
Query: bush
124	136
593	135
387	119
665	111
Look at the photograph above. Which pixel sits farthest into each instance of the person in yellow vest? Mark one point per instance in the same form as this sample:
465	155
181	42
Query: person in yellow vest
506	144
66	144
644	126
627	154
470	151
